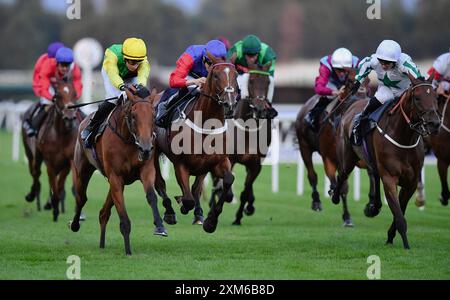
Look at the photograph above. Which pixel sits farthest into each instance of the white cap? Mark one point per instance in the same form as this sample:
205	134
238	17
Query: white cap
388	50
342	58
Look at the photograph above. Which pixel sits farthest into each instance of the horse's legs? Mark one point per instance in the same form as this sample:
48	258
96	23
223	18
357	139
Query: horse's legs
397	206
116	189
197	189
306	153
420	197
61	182
442	169
372	209
83	172
346	214
216	185
34	165
348	164
103	218
187	201
253	170
223	170
53	181
160	186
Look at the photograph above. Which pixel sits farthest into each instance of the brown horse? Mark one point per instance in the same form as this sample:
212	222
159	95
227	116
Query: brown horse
203	148
395	150
324	141
123	154
54	145
255	137
441	148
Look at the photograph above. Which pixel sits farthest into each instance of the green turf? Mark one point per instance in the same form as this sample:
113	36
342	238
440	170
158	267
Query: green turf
284	239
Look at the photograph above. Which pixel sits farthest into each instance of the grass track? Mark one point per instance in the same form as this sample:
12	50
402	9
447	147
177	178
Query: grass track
284	239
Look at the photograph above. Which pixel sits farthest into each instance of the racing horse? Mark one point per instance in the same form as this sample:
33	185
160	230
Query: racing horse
251	132
441	148
324	141
394	151
54	144
123	154
195	149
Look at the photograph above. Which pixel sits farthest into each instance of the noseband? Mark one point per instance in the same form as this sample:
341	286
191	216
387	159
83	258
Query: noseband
227	90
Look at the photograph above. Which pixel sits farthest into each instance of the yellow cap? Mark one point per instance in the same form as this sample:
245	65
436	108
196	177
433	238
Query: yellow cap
134	49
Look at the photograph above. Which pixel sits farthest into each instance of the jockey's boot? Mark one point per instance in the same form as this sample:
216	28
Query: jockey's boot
168	100
37	120
29	130
371	106
102	112
312	116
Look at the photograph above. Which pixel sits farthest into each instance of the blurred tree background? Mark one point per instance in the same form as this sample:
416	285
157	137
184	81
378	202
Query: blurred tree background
294	28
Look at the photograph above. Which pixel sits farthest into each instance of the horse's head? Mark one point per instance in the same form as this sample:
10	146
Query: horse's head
139	114
222	84
424	113
65	95
258	87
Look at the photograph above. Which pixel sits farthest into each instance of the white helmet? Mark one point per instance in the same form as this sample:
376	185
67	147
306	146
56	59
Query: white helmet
388	50
342	58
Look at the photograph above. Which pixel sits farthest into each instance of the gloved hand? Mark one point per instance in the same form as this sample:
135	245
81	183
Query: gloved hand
355	87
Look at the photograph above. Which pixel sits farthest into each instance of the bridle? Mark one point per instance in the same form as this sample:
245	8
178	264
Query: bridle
128	122
420	125
229	90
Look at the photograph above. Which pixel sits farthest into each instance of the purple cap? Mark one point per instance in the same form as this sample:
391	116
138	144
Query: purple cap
53	48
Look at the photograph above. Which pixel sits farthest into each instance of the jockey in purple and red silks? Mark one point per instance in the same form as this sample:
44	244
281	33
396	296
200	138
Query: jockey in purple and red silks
333	73
192	68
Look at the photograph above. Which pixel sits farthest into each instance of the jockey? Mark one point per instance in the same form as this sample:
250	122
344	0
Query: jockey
50	55
392	68
192	68
333	74
249	51
441	69
123	64
61	68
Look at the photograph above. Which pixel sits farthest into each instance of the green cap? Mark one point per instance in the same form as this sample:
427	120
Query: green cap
251	44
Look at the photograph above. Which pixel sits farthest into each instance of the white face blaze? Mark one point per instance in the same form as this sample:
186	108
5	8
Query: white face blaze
66	90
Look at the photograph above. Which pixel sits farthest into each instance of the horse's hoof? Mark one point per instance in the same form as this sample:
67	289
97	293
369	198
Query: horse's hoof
198	220
371	211
348	223
170	219
444	201
29	197
237	222
47	206
74	226
316	206
420	201
209	226
189	204
55	217
249	210
335	198
161	231
184	210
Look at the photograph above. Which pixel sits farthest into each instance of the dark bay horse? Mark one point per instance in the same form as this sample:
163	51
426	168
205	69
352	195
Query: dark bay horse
124	154
324	141
251	139
195	149
395	149
440	145
54	145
